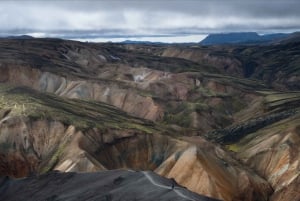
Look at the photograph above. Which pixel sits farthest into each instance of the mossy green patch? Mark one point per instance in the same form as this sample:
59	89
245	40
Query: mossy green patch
233	147
282	100
83	114
53	160
179	115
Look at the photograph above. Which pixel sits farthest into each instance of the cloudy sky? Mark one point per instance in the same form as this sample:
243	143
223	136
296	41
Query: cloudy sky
154	20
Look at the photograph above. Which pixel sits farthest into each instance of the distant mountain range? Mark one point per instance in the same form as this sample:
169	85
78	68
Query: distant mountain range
156	43
241	38
141	42
230	38
237	38
18	37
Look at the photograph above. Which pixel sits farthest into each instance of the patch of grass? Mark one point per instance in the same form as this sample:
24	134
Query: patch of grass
199	107
279	100
179	115
53	160
233	147
183	119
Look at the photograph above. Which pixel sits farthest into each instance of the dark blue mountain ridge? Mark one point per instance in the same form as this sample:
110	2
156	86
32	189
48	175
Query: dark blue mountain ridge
241	38
141	42
17	37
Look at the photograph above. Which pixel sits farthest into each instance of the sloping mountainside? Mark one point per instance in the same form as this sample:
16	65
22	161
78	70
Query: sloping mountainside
106	185
42	132
277	65
186	113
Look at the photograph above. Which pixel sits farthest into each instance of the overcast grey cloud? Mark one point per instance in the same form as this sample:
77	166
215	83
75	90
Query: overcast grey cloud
115	18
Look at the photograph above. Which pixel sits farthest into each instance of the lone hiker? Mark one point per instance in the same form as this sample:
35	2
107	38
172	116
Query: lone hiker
173	183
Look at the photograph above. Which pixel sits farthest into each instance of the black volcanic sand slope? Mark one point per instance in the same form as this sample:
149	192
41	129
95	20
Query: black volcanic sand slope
111	185
277	105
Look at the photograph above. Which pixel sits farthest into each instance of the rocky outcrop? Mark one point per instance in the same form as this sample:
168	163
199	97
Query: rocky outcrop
277	146
203	167
128	100
27	146
224	63
234	133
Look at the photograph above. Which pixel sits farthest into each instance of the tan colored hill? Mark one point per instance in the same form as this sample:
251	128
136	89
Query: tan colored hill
273	151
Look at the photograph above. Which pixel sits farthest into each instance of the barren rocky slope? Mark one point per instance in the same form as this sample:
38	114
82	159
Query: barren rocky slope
273	151
77	107
106	185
